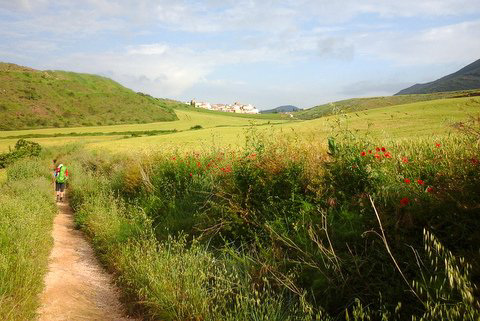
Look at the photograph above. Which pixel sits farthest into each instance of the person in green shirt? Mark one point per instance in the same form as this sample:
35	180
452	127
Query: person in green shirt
61	177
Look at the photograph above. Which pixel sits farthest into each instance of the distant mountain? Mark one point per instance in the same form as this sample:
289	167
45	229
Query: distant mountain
32	98
281	109
466	78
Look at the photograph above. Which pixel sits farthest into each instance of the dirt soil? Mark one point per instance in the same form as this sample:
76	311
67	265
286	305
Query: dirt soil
76	286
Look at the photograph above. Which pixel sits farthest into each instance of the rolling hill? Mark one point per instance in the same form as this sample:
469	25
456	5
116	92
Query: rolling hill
466	78
281	109
360	104
32	98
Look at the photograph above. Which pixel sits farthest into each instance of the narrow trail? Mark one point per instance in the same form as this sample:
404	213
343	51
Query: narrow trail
76	286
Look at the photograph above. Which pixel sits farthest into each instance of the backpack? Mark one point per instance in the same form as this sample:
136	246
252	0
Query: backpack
61	174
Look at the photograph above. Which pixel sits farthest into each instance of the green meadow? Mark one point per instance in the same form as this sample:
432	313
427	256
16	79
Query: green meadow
420	119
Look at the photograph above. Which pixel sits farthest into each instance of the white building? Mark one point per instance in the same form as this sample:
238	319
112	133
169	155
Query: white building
235	108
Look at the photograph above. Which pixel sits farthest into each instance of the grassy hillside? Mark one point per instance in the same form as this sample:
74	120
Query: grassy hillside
359	104
37	99
466	78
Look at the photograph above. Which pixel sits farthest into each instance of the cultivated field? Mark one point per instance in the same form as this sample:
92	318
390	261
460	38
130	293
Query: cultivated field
421	119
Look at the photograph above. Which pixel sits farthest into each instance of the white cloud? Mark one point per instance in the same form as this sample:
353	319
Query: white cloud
160	69
216	16
446	44
150	49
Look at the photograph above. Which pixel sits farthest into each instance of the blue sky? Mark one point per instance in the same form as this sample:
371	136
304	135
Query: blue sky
264	52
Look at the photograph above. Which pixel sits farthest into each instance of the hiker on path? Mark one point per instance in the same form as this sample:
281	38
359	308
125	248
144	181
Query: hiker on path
61	176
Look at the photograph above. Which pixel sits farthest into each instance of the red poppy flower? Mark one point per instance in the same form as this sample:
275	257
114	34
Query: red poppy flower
438	145
387	155
198	164
191	174
383	149
406	180
378	156
174	158
363	154
377	149
430	190
405	160
370	151
474	161
404	201
420	182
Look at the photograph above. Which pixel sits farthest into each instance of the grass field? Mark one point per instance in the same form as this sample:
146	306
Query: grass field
359	104
187	119
226	125
418	119
402	121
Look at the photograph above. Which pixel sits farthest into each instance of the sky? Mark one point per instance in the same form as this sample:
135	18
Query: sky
264	52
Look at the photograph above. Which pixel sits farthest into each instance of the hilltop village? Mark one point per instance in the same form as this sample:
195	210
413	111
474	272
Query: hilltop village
234	108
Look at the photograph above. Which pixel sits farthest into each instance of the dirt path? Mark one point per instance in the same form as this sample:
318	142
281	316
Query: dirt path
76	286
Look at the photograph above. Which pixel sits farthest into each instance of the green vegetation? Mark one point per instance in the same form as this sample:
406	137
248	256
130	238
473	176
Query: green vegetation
3	176
421	119
281	231
281	220
22	149
26	217
39	99
136	133
186	120
230	127
362	104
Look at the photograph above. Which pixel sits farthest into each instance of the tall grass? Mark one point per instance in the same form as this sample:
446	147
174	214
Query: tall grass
26	215
286	232
3	176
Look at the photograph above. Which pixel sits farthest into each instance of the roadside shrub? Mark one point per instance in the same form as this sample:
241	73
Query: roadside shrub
23	148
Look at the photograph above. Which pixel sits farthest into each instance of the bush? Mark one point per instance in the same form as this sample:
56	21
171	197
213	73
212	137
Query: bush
23	148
